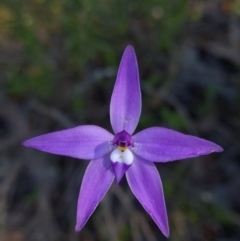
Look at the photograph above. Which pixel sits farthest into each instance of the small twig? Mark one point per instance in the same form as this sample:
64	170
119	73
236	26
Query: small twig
221	51
109	219
52	113
137	219
173	101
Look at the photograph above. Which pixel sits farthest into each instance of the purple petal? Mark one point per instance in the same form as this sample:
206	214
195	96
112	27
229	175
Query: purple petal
162	145
125	107
83	142
146	185
119	170
96	182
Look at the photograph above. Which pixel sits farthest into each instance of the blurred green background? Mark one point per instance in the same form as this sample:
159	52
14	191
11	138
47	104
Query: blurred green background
58	65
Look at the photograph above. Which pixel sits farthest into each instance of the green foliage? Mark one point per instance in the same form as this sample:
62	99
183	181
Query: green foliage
174	120
169	188
125	233
208	105
80	32
222	215
77	104
32	197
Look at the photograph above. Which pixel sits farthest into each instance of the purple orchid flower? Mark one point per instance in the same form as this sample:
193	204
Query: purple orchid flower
123	153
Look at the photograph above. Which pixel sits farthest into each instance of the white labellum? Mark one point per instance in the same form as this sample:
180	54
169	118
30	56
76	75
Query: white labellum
122	156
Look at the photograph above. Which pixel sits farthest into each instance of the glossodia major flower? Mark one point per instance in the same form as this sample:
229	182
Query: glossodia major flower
112	156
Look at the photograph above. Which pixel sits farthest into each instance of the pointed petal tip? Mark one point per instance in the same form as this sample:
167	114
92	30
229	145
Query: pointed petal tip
163	226
129	48
216	148
78	228
129	51
27	143
24	143
219	149
166	232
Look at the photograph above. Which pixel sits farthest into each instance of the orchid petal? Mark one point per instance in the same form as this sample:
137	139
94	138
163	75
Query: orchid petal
125	107
146	185
83	142
162	145
96	182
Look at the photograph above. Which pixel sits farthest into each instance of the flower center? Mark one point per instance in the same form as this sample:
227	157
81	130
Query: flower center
123	140
121	157
122	154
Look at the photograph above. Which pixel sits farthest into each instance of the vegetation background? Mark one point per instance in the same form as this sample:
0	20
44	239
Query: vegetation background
58	64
